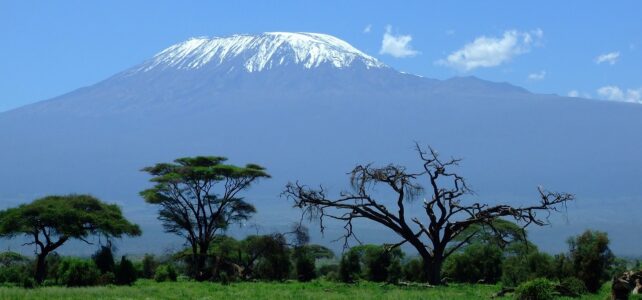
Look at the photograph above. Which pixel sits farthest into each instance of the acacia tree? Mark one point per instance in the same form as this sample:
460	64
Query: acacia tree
189	205
53	220
445	215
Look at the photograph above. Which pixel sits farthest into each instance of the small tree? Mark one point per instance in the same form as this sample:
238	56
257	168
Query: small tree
350	267
304	264
591	258
104	259
149	266
125	272
53	220
190	207
436	235
274	262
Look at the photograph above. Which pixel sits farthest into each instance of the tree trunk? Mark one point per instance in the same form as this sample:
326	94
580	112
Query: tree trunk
194	262
201	273
432	267
41	268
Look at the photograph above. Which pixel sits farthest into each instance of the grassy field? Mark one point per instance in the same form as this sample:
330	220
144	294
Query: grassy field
145	289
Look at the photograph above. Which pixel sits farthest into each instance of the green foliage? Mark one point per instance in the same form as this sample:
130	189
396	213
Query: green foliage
53	220
328	270
149	266
54	261
14	268
190	207
106	278
14	274
350	267
125	272
562	266
304	262
498	232
574	285
591	258
104	259
478	262
165	272
525	264
10	258
375	259
413	270
536	289
274	262
78	272
318	251
28	283
72	216
395	272
618	266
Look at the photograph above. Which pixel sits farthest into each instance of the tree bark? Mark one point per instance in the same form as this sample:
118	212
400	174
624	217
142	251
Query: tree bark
201	274
41	267
432	267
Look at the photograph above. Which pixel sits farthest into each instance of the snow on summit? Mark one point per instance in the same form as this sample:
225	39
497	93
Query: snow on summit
262	52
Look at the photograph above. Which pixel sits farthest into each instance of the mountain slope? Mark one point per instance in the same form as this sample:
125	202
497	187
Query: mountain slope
308	116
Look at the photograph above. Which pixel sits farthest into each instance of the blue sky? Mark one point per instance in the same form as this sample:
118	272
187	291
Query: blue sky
592	48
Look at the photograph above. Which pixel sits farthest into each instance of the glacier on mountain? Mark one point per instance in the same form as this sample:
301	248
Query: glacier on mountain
262	52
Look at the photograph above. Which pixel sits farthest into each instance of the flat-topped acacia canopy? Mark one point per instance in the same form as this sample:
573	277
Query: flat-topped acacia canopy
53	220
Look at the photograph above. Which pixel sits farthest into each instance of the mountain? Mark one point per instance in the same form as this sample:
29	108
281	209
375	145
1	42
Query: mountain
310	107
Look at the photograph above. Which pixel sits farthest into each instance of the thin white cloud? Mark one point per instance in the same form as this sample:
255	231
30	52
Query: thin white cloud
578	94
396	45
610	58
368	28
537	76
615	93
485	52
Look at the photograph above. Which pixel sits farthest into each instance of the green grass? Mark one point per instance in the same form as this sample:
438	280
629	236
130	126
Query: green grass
146	289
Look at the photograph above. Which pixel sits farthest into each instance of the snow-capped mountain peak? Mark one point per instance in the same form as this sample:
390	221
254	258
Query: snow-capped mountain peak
262	52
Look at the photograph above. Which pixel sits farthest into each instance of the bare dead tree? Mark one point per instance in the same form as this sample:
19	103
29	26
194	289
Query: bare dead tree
436	235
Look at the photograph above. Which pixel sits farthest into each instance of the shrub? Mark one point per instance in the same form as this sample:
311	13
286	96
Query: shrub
14	268
165	273
305	267
53	265
11	258
521	268
274	262
413	270
106	278
574	285
78	272
537	289
104	259
149	266
327	269
478	262
28	282
125	272
562	266
350	267
14	274
377	260
395	274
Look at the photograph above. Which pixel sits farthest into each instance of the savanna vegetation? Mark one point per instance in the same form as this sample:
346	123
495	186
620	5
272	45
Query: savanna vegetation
459	249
